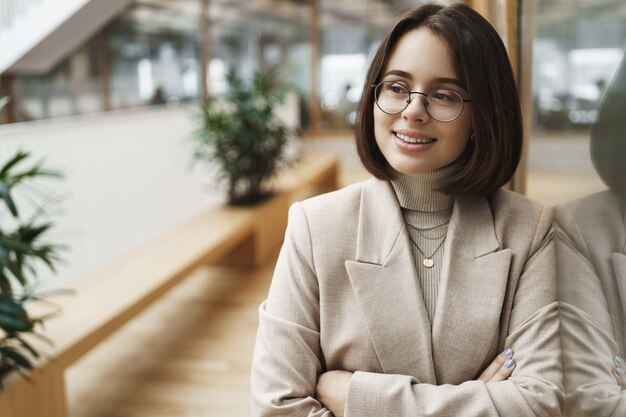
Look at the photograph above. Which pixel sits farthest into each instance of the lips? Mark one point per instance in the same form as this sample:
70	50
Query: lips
414	140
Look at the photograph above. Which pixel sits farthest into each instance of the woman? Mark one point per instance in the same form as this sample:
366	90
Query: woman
591	256
408	294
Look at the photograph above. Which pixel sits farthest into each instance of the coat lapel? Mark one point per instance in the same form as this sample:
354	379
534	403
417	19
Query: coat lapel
618	259
619	268
473	283
386	287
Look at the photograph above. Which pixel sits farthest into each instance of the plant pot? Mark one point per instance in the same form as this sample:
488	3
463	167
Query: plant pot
250	199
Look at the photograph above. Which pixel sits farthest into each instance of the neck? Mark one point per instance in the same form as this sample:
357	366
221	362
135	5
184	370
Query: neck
420	192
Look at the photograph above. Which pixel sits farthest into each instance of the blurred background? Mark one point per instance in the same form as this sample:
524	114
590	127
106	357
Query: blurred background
108	92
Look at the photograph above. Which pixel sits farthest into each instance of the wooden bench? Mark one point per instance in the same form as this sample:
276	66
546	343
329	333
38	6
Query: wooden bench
109	298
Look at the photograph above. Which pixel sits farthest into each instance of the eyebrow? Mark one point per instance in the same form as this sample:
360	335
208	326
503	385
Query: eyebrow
444	80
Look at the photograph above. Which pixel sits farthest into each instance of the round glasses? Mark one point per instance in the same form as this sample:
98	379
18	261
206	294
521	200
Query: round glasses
441	104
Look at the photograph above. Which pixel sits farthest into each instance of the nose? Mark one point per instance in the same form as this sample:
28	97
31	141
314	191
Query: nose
416	110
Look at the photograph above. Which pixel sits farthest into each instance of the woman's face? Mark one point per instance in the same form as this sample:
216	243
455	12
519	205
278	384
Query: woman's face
412	141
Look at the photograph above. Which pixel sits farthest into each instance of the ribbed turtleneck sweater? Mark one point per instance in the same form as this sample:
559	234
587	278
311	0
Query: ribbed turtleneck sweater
428	210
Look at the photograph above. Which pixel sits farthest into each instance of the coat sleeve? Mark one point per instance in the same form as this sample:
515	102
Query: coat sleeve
534	389
587	336
287	355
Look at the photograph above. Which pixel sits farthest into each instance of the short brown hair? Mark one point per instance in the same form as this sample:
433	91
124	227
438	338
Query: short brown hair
608	144
482	64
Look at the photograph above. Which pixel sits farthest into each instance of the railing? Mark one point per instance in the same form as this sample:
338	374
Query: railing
11	9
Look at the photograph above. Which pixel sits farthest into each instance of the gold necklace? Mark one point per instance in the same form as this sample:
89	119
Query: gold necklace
428	260
430	229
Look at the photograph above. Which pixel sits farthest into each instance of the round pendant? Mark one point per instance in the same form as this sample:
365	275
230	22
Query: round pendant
428	263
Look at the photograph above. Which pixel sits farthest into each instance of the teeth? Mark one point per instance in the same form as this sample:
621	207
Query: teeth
410	139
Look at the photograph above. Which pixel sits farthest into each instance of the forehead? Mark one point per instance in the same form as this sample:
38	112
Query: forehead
422	54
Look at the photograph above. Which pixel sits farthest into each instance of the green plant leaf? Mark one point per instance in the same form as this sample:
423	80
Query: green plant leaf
20	155
28	347
241	133
17	357
5	195
16	324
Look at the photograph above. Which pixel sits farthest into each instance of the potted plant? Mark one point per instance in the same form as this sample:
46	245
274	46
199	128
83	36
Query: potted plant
21	250
243	136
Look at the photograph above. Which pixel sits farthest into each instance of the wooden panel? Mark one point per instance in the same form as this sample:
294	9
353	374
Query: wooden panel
316	54
312	170
117	293
268	229
525	67
508	16
484	7
112	296
43	397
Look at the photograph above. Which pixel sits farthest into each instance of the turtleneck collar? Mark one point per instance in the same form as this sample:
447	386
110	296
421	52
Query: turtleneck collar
419	192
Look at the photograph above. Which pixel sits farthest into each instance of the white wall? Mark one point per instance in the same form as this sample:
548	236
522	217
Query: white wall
128	179
48	30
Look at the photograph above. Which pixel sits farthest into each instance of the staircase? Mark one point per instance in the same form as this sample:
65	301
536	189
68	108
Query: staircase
35	35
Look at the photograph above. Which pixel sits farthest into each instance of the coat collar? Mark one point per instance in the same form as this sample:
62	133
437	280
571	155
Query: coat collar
471	290
598	224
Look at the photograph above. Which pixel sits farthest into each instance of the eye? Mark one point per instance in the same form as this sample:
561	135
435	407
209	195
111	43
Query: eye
443	96
395	88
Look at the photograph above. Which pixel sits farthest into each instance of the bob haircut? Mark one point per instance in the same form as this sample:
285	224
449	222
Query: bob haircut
608	143
483	66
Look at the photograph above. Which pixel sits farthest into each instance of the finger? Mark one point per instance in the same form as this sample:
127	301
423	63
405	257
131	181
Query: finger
504	372
620	377
619	372
494	367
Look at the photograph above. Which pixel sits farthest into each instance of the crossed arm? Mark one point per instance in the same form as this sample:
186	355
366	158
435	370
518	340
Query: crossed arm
331	389
289	375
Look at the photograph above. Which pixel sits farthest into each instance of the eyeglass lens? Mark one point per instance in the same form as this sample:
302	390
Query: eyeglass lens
441	104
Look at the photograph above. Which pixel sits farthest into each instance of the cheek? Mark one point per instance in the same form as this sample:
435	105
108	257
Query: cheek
467	121
382	121
378	125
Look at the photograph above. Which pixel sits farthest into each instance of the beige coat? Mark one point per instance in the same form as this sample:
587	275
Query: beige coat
345	295
591	257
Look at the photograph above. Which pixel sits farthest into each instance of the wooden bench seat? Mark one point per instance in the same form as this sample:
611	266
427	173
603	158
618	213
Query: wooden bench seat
110	297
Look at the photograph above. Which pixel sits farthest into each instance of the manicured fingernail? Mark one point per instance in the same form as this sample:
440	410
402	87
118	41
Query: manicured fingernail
619	361
619	372
507	352
509	364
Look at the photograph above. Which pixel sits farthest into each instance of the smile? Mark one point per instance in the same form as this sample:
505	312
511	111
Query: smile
412	140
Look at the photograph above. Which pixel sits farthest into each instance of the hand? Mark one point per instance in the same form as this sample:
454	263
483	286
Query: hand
332	389
500	369
619	372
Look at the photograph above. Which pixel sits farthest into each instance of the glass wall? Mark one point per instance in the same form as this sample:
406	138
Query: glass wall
72	87
350	35
151	55
251	36
148	55
576	51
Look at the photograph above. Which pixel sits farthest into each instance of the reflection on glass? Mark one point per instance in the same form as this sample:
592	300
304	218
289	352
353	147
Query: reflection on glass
591	260
577	50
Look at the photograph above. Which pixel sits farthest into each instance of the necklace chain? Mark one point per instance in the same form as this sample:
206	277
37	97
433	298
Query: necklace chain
428	260
429	229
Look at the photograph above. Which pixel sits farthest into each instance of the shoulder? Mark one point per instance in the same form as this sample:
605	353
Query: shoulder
519	211
510	203
327	212
346	199
591	222
521	221
603	203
